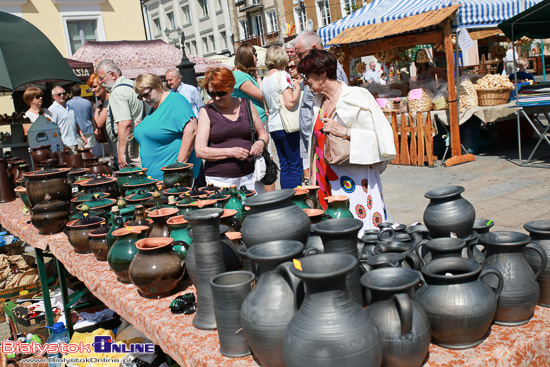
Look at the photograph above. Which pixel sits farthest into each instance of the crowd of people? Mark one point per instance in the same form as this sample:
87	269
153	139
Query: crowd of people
149	123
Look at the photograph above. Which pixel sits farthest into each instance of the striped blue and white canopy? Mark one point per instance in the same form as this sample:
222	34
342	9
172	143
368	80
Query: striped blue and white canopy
472	13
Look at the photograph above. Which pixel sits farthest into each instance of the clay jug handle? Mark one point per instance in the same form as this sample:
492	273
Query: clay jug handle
413	260
382	234
418	251
543	257
404	310
311	251
496	273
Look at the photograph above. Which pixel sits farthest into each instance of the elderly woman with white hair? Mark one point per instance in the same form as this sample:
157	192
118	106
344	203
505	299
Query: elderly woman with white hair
278	82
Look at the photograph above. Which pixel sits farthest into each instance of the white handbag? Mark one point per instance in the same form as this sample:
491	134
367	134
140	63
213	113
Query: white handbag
290	118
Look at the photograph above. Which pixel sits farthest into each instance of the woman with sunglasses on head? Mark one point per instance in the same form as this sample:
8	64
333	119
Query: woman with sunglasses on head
353	114
167	133
277	82
224	138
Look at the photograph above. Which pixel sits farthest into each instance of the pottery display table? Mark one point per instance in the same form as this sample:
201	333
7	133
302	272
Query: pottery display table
526	345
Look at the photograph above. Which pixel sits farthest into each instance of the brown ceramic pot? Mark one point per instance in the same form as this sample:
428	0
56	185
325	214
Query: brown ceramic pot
74	160
41	153
53	182
157	268
21	168
100	184
159	217
86	153
21	192
50	216
97	241
61	157
77	231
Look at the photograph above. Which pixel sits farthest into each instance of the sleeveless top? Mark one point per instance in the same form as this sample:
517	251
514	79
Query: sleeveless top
225	133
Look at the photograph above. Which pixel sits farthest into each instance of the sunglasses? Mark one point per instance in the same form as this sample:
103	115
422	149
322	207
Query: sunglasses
104	75
291	66
184	304
145	95
37	97
216	94
60	94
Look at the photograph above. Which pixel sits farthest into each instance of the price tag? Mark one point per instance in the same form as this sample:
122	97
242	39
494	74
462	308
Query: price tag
74	190
415	94
453	235
297	264
382	102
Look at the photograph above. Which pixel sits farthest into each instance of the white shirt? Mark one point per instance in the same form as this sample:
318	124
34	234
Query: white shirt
33	116
193	95
371	76
64	118
273	86
510	56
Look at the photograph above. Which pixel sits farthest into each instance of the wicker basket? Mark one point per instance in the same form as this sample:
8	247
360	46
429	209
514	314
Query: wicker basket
493	96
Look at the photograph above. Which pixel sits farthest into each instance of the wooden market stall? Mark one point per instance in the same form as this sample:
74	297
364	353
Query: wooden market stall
432	27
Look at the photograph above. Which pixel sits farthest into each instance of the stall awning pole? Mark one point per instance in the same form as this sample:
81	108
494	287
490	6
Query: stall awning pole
542	56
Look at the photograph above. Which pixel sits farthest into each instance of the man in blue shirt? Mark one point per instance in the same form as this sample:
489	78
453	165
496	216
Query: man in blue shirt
63	116
173	79
371	75
84	115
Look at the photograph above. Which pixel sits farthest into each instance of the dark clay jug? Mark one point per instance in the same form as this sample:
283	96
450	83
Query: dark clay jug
267	310
157	268
539	231
207	251
330	328
402	323
6	190
273	216
459	303
98	243
505	251
160	216
340	236
449	212
442	247
124	250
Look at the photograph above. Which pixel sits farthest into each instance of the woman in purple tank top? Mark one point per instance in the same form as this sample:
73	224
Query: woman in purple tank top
224	139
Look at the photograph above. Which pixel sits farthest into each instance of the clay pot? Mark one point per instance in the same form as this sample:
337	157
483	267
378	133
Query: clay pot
126	175
97	241
539	231
228	292
21	192
123	251
338	207
50	216
20	170
482	226
41	153
100	184
314	244
77	231
178	172
61	156
402	323
52	182
6	191
159	217
157	268
138	198
442	247
505	251
392	260
86	153
96	168
329	319
74	160
459	303
179	229
47	163
140	182
299	198
311	198
449	212
269	255
273	216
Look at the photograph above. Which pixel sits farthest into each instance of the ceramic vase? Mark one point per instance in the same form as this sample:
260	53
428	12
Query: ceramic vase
273	216
229	291
330	328
338	207
441	247
449	212
402	323
207	252
98	243
459	301
124	250
539	231
505	251
160	216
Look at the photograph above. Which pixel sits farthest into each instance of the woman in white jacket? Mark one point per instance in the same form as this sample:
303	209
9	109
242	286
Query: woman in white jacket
353	114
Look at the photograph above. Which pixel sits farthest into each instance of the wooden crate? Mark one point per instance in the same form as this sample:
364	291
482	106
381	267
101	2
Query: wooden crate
413	139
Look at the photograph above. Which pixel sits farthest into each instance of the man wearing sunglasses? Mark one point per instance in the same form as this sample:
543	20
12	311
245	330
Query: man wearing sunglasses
305	42
63	116
124	112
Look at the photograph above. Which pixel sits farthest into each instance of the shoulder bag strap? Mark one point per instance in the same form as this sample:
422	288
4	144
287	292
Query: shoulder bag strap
252	127
115	133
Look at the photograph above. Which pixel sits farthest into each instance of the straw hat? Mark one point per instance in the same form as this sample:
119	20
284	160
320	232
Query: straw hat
422	56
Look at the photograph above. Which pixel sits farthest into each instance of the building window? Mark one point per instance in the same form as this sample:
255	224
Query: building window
188	47
156	22
272	22
300	19
204	7
81	31
257	27
244	29
205	45
323	16
211	37
348	7
224	40
171	22
194	43
186	14
219	5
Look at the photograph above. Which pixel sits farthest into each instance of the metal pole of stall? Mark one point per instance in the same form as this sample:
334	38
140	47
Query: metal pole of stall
516	87
542	56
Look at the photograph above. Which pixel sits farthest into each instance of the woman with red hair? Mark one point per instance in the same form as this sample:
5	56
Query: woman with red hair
100	110
224	138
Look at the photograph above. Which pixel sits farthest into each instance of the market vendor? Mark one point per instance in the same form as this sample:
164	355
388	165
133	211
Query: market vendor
424	69
522	73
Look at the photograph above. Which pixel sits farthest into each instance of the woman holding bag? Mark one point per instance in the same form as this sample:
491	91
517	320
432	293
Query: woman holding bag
347	118
282	99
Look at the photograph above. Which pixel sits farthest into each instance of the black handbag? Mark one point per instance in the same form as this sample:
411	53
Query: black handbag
271	167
